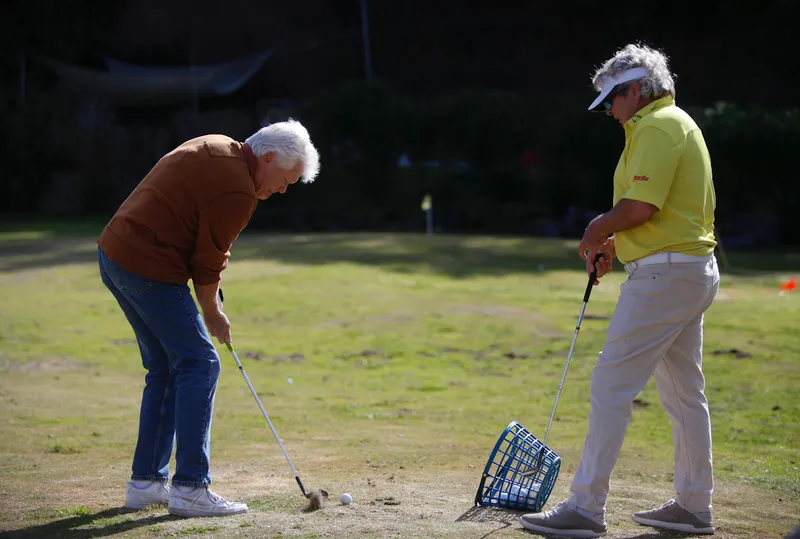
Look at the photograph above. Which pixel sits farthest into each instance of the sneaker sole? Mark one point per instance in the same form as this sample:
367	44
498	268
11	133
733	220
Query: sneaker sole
195	513
563	533
686	528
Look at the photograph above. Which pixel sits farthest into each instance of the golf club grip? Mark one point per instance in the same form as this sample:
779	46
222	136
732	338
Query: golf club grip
592	278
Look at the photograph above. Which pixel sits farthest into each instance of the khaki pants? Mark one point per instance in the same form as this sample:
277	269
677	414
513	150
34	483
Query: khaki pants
657	327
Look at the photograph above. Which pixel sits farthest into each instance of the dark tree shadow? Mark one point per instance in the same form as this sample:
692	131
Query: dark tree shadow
72	527
453	255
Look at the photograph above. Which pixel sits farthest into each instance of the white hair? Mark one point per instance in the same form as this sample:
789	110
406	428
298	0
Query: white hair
291	144
658	83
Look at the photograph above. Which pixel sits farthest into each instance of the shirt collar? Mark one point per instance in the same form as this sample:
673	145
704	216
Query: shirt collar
644	111
251	160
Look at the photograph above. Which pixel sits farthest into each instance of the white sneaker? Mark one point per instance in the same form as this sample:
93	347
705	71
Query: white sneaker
140	494
201	502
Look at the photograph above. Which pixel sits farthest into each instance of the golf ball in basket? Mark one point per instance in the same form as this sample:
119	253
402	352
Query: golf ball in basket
345	499
516	494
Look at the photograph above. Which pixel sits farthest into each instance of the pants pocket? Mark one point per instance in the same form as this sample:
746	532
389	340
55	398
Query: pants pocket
126	282
135	287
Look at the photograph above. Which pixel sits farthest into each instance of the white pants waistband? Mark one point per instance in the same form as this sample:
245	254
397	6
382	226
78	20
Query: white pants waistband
666	258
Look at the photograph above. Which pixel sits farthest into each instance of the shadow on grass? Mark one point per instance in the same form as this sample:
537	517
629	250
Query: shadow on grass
502	518
456	256
452	255
73	527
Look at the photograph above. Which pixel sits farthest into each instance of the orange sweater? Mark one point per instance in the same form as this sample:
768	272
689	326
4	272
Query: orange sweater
181	220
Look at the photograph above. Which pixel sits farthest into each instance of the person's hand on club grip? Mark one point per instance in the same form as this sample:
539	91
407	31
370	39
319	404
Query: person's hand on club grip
593	240
218	326
604	263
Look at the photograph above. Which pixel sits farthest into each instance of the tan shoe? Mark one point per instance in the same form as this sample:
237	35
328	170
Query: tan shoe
672	516
564	521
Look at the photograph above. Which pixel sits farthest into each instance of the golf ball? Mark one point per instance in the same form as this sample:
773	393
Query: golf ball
345	499
516	494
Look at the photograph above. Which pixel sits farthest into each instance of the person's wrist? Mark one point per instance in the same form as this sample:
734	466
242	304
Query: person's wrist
601	225
212	310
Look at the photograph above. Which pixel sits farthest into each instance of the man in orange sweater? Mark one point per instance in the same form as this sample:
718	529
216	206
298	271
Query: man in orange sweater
178	225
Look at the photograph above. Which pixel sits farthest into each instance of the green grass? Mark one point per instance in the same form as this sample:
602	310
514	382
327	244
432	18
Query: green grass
408	355
73	512
198	530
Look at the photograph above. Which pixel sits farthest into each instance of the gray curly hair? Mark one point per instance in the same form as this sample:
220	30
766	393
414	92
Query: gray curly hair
658	83
291	143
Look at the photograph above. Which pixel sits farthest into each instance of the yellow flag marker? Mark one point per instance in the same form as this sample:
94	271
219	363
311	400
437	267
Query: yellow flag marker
427	203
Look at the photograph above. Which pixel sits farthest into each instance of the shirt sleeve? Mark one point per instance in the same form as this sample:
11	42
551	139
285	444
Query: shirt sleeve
220	223
652	163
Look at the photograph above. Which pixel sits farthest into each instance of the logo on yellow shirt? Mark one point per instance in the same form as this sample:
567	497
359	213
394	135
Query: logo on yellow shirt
640	178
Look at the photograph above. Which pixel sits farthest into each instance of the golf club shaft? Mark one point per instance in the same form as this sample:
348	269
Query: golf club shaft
586	295
263	411
564	374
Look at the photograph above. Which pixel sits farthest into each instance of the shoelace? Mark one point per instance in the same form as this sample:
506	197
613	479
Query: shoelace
213	497
557	510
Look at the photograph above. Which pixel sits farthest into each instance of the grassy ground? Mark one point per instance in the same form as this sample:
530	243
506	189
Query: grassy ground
407	357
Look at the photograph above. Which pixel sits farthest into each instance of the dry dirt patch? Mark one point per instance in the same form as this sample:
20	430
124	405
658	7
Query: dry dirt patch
419	505
48	364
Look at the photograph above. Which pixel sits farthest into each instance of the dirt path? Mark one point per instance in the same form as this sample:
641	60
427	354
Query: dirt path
417	507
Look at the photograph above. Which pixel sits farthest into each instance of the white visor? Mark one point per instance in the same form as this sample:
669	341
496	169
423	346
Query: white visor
609	84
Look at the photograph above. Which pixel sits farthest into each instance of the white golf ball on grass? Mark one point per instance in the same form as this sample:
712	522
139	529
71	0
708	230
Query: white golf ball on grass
345	499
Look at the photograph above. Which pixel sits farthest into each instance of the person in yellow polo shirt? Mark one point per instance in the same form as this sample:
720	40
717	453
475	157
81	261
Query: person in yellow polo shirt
661	227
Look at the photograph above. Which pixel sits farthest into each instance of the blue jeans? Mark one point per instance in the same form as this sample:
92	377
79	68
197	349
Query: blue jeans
182	372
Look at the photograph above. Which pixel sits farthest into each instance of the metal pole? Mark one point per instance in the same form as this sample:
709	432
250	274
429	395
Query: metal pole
365	35
430	221
22	76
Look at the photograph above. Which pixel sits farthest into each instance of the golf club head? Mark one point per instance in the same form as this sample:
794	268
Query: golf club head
322	492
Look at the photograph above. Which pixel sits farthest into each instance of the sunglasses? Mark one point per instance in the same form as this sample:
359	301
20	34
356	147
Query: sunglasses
618	90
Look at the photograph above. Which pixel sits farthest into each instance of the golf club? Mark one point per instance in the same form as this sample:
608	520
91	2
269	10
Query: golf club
264	412
586	295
